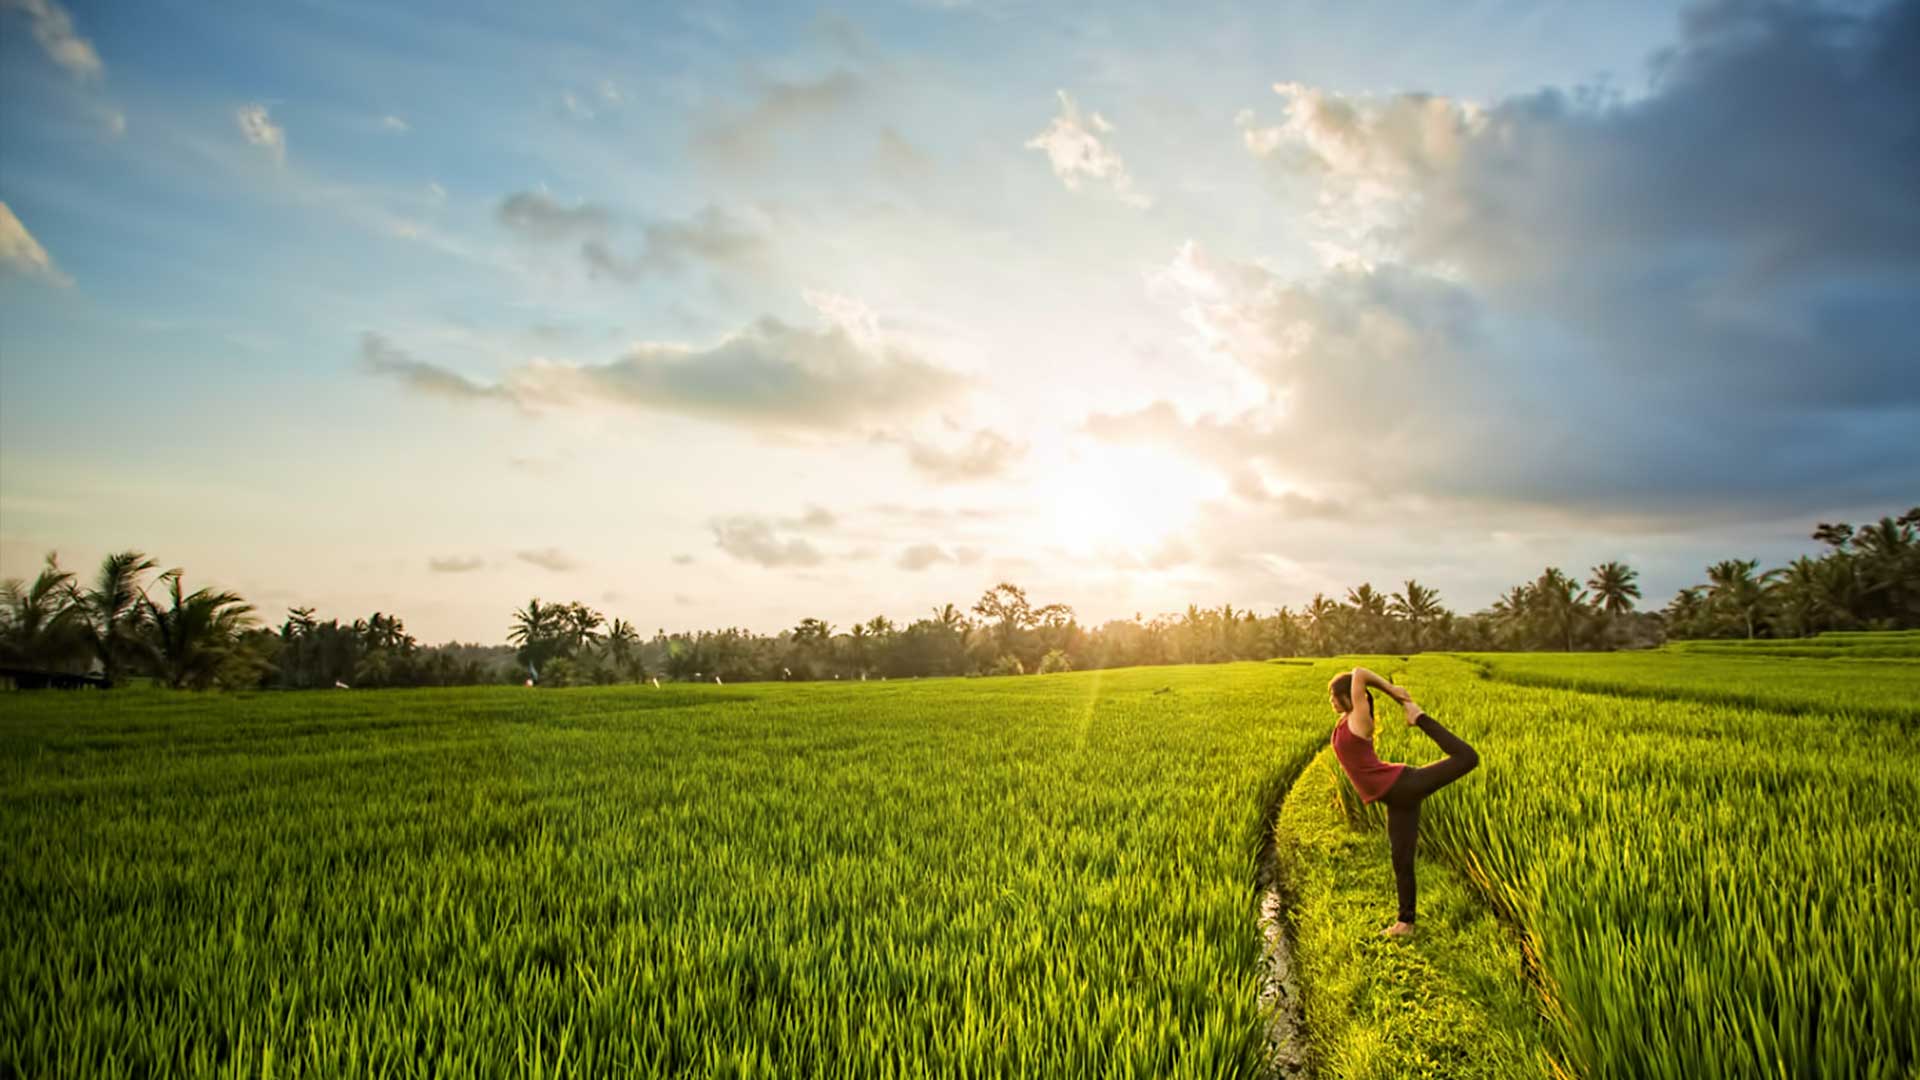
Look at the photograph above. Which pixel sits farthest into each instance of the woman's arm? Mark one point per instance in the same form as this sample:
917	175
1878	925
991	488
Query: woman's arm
1397	693
1360	716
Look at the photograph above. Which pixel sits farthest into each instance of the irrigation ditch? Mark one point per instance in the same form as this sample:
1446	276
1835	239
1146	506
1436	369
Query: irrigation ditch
1285	1050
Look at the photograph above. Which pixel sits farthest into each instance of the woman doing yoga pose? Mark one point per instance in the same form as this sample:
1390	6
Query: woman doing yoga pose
1402	787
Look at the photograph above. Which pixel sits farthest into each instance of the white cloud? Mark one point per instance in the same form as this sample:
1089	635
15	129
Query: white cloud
53	29
1076	149
395	124
21	254
260	130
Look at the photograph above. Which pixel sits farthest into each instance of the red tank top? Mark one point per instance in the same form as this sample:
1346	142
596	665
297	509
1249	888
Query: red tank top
1371	777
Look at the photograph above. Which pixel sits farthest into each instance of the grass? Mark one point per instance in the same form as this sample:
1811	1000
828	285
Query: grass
1044	876
1707	863
1453	1002
1712	890
1831	686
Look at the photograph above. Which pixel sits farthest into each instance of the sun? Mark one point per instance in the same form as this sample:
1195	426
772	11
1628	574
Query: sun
1112	500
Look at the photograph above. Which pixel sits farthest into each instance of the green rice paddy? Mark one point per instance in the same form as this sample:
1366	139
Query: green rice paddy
1667	866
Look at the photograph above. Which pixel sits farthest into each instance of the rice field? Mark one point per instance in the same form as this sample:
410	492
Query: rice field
1014	877
1049	875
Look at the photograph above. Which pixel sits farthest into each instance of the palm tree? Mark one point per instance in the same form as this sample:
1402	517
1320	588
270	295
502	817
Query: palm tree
534	630
1513	612
1733	590
1418	605
190	639
1806	591
39	624
1560	601
1684	612
858	640
1370	609
110	610
622	648
1614	588
1322	615
1889	561
950	618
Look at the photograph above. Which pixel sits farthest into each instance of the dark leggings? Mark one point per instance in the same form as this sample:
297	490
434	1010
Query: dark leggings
1403	801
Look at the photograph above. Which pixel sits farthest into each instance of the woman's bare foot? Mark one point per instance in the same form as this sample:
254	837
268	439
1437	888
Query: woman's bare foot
1414	711
1398	930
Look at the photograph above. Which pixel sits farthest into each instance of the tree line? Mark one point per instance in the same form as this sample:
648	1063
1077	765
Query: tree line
115	626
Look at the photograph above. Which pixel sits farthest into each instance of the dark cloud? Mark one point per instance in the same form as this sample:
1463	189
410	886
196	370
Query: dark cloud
378	356
768	376
752	539
745	139
548	559
1693	299
455	564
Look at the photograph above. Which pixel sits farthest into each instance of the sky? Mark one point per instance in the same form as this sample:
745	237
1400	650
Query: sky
731	315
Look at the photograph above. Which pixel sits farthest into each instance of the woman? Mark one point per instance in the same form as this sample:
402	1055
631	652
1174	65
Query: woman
1402	787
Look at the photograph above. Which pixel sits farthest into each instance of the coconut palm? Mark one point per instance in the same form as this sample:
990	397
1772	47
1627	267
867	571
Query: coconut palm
621	644
110	610
1418	606
536	630
1560	602
40	623
1684	612
1513	614
1322	617
190	638
1614	587
1735	593
1806	594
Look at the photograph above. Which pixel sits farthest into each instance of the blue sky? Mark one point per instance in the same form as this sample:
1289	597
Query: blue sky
730	316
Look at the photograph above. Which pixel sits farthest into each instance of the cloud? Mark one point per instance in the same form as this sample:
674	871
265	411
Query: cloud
532	215
53	30
769	376
746	139
394	124
548	559
1076	147
712	236
21	254
1683	302
380	357
455	564
260	130
752	539
815	517
683	560
920	556
985	455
